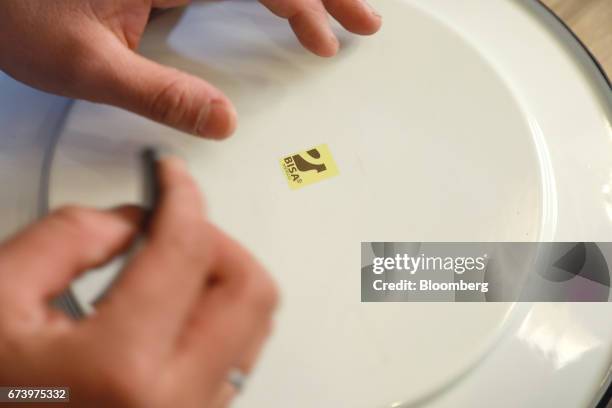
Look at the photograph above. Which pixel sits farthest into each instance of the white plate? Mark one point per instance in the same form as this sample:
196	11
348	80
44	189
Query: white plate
450	124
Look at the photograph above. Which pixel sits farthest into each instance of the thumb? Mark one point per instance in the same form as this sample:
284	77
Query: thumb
164	94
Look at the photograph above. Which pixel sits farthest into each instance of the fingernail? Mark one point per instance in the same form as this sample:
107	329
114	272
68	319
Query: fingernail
218	120
335	43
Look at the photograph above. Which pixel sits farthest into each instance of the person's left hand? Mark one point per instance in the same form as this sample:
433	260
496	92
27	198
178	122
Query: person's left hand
86	49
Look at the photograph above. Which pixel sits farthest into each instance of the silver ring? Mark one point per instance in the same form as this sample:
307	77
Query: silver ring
237	379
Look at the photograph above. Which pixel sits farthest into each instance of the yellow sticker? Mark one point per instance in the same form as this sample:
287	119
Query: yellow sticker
309	166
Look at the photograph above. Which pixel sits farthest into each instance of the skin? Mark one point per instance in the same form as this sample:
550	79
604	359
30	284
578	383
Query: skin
86	49
190	305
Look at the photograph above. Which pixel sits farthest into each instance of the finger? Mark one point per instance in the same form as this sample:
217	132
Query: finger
48	255
246	363
161	93
224	397
246	360
159	286
356	16
232	320
312	29
309	21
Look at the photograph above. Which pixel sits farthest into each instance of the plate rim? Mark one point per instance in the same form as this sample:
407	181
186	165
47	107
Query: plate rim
72	306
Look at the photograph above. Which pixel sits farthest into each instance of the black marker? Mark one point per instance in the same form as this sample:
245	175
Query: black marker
149	160
150	187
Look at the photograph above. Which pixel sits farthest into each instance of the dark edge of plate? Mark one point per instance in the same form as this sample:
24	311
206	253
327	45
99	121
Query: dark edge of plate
66	301
604	399
586	49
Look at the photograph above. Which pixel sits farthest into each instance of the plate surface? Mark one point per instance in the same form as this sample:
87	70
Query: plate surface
463	136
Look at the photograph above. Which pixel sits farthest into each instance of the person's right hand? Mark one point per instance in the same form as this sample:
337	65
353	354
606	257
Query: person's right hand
190	305
86	49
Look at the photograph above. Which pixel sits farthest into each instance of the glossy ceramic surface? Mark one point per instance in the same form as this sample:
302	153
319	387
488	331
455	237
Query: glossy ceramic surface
470	135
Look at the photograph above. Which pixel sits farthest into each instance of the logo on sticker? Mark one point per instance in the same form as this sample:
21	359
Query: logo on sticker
308	167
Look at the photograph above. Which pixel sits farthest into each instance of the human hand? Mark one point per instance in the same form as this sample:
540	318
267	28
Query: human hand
189	306
86	49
